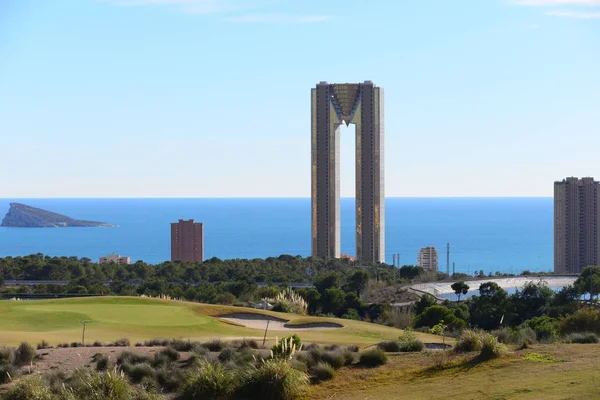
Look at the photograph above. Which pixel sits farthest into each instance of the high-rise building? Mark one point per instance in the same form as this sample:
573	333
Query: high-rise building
116	258
576	229
187	241
428	259
332	106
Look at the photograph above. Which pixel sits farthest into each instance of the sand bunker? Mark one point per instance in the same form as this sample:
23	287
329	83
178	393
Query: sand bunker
259	321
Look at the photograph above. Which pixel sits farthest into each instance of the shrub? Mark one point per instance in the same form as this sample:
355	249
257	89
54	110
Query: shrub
334	358
468	341
276	379
545	328
209	381
25	354
7	355
411	346
332	347
348	357
490	348
43	345
353	348
391	346
584	320
372	358
76	344
139	371
169	379
214	345
98	344
109	385
248	343
102	363
132	358
169	353
323	372
287	346
519	336
582	338
299	365
7	372
123	342
227	355
31	388
181	345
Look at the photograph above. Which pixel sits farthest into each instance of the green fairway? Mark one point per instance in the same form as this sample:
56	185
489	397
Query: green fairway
138	319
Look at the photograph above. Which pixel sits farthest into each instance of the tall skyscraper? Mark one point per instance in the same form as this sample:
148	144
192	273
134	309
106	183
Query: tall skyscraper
576	229
187	241
332	106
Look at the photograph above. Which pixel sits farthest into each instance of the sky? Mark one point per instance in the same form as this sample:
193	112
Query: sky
211	98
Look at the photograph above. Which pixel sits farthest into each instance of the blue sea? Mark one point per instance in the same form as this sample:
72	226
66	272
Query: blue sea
489	234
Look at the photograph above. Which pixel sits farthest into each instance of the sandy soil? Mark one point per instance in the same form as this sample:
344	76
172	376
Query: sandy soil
257	321
68	359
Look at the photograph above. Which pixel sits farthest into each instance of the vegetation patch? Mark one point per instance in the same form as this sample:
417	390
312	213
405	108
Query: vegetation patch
541	358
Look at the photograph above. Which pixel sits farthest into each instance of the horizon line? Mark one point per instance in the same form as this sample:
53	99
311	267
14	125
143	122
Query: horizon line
269	197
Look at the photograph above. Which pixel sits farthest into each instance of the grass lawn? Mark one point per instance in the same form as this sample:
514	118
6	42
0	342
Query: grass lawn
138	319
553	371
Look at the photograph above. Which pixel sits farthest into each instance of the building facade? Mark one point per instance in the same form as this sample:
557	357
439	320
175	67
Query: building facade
332	106
116	258
187	241
576	229
428	258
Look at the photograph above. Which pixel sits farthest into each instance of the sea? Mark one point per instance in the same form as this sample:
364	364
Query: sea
491	234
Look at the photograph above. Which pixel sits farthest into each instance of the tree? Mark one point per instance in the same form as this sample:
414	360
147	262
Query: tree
332	301
424	302
358	282
488	309
326	281
459	288
589	281
532	301
440	314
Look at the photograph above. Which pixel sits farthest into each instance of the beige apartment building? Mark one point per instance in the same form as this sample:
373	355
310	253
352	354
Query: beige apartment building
187	241
428	258
332	106
576	229
115	258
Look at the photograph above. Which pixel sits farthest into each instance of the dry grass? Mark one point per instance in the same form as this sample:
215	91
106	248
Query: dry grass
575	376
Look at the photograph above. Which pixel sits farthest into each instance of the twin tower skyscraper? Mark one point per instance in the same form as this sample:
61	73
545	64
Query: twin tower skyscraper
333	105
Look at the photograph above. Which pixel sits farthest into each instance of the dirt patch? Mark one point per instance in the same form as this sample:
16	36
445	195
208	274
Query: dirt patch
68	359
260	321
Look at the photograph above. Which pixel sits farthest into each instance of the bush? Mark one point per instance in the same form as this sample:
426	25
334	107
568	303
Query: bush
7	372
490	348
169	353
76	344
546	328
102	363
391	346
583	338
181	345
43	345
139	371
518	336
468	341
209	381
411	346
348	357
169	379
372	358
287	346
299	365
276	379
227	355
123	342
332	347
31	388
353	348
109	385
584	320
7	356
25	354
323	372
132	358
214	345
97	344
334	358
248	343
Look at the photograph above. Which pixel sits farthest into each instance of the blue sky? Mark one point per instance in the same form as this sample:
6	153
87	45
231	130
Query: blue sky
210	98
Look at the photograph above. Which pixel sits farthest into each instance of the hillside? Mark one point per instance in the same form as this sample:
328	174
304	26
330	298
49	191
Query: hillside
24	216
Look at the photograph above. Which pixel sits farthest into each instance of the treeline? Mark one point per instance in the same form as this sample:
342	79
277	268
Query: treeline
536	307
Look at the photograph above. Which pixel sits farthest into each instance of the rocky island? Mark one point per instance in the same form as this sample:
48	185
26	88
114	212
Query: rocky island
24	216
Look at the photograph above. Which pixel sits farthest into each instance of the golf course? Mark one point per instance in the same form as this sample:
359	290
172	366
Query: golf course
138	319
